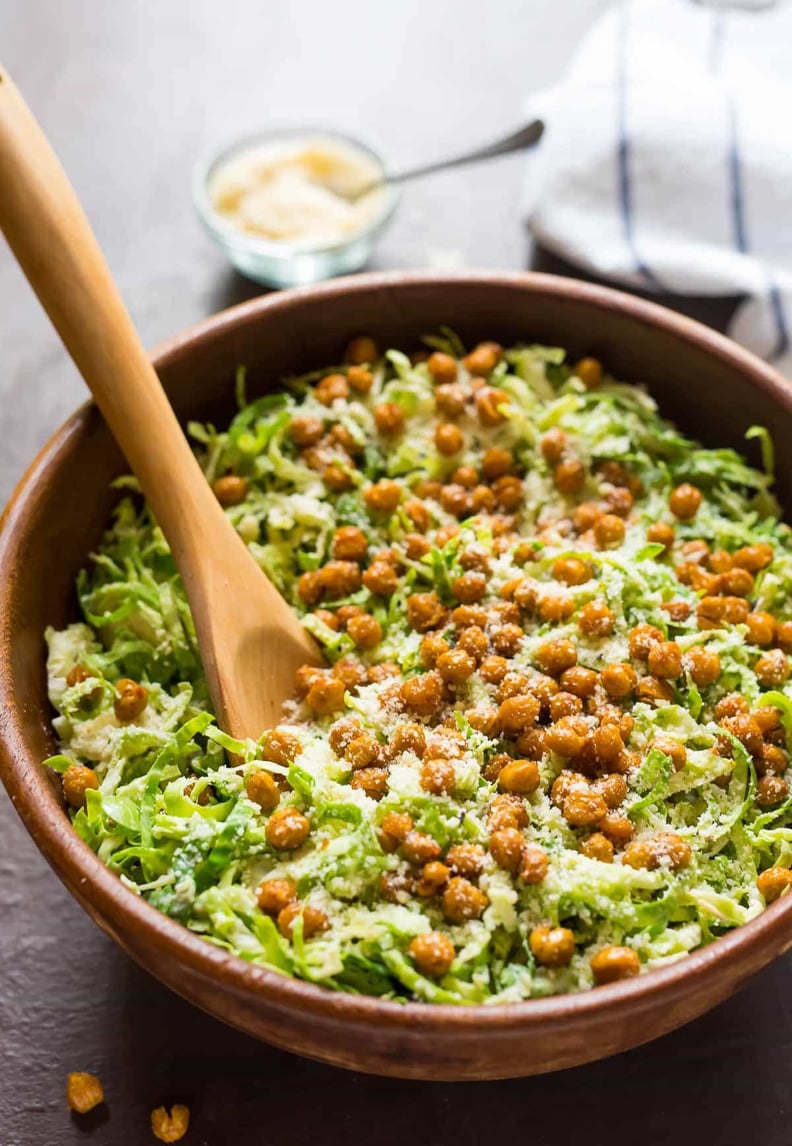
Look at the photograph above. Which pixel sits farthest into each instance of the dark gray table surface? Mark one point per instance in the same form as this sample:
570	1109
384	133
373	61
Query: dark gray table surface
131	93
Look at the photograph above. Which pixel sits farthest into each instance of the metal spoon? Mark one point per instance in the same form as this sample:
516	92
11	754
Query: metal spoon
517	141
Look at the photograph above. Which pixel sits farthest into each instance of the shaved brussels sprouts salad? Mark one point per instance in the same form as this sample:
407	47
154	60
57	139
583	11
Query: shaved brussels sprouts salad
550	747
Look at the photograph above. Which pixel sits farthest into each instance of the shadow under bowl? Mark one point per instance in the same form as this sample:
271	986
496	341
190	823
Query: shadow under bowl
711	387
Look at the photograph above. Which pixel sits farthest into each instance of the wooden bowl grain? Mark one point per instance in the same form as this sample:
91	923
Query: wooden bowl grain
714	389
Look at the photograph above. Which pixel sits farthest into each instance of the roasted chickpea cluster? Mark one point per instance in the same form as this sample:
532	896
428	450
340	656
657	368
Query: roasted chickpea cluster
557	676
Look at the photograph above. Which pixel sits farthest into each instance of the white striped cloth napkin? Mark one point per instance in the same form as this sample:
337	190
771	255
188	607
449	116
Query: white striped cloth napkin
667	160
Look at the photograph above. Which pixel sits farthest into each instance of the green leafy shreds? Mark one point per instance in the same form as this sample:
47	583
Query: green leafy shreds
172	815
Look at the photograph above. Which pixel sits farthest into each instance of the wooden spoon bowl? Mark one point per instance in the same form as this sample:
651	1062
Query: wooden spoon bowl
711	387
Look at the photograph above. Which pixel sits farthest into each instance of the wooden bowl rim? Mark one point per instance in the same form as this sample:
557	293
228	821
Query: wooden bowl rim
79	867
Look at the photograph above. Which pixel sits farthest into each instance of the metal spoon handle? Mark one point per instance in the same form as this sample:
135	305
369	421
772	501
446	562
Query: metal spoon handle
517	141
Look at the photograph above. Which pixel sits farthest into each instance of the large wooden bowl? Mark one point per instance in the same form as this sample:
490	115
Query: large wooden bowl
711	387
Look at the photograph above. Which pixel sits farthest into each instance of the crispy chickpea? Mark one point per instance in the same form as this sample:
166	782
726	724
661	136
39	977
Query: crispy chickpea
620	501
381	579
584	806
746	729
783	635
772	668
659	533
448	439
432	647
394	829
170	1126
534	864
589	371
438	776
676	752
466	476
483	359
507	639
77	779
720	561
552	946
555	607
768	718
314	920
496	462
665	660
771	758
466	859
569	476
383	496
305	676
365	631
131	700
684	501
362	751
578	681
736	583
350	672
653	689
389	419
423	694
442	368
609	531
350	544
566	737
332	388
469	587
456	666
305	431
703	666
506	848
343	733
586	515
595	619
462	900
310	587
507	811
771	789
338	578
274	894
326	695
689	573
432	952
360	379
553	445
508	492
484	719
466	615
618	680
331	620
597	847
409	738
520	777
761	628
612	964
641	640
336	477
395	887
424	611
555	656
617	828
607	745
281	747
571	571
518	713
261	788
230	490
455	499
731	705
361	351
663	847
677	610
450	400
83	1092
493	669
287	829
473	641
564	704
373	781
773	882
753	557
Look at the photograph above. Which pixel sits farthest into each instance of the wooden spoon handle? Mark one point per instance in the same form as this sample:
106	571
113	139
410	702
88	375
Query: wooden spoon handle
53	241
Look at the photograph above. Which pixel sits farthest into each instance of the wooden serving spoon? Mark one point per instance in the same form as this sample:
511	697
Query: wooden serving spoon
250	640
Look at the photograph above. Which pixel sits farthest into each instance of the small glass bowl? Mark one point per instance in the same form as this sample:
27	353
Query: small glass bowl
285	264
